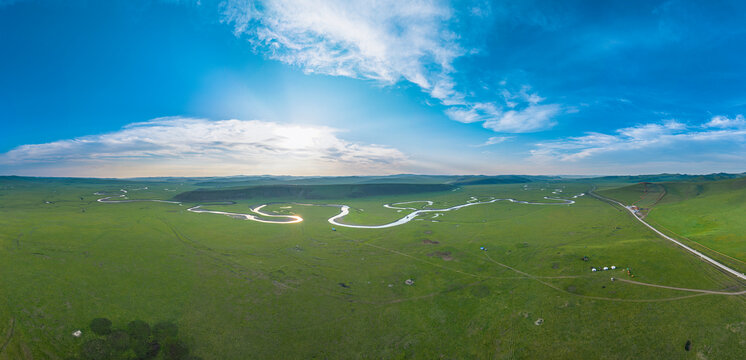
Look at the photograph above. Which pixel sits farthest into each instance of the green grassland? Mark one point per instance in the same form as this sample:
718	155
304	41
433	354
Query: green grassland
246	290
644	195
707	215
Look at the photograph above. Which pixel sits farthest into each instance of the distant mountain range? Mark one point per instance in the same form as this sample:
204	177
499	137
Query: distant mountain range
458	180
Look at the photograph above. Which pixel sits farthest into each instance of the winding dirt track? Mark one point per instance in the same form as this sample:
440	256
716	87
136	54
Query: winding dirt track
683	289
687	248
10	335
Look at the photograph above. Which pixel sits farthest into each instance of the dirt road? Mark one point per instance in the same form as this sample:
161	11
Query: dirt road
687	248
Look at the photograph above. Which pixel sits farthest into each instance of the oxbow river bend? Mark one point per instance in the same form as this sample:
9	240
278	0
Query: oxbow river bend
344	210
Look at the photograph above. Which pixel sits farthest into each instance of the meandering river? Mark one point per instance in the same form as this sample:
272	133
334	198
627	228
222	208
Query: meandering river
344	210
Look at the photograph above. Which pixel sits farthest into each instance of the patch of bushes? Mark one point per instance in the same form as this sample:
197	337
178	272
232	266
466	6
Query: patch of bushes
95	349
165	331
101	326
136	341
138	329
118	340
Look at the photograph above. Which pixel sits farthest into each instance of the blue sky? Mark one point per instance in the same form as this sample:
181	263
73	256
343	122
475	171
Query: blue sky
193	88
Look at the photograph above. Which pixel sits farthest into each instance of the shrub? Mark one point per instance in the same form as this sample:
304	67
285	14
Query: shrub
101	326
176	350
138	329
153	348
118	340
164	331
146	350
95	349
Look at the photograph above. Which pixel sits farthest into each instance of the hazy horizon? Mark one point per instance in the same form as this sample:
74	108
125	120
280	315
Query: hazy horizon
565	176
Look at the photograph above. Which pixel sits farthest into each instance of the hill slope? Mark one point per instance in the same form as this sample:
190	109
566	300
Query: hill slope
309	191
708	215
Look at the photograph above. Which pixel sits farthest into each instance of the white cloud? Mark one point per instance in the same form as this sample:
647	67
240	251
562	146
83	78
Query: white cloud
184	146
466	115
494	140
385	41
532	117
378	40
724	122
644	134
667	138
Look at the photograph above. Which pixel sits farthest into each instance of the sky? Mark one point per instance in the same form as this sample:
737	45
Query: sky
141	88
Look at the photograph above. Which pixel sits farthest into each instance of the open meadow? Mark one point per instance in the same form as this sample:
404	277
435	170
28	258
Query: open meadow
707	215
426	289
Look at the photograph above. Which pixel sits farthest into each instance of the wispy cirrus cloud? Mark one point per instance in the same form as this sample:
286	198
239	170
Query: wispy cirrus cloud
493	140
185	146
385	41
529	118
649	141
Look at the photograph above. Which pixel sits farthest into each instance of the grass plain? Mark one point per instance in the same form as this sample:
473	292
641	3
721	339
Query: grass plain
707	215
246	290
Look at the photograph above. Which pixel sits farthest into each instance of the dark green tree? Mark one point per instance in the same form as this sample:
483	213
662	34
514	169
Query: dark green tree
118	340
165	331
95	349
138	329
101	326
146	349
176	350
